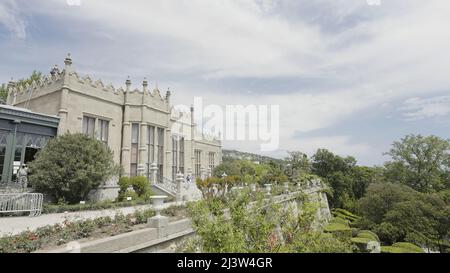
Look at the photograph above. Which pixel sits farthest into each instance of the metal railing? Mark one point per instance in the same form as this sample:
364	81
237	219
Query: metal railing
23	202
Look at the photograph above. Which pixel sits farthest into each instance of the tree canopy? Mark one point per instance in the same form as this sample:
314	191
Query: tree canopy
35	75
423	163
70	166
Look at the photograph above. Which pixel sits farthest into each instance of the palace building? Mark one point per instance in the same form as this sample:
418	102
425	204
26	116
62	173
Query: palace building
145	132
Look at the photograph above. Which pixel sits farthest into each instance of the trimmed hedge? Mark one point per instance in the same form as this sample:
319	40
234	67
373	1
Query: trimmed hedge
339	220
393	249
409	246
339	229
360	240
342	213
369	235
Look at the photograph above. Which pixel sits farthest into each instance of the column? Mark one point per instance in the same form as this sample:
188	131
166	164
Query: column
126	143
126	156
63	112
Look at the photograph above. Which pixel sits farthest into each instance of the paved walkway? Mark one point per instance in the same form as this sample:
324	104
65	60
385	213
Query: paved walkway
15	225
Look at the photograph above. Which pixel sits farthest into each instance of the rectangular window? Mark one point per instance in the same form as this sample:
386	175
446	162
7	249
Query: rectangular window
174	156
134	148
181	156
150	148
151	143
89	126
212	164
103	130
160	152
197	162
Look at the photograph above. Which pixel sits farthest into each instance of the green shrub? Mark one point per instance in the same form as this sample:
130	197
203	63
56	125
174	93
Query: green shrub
369	235
409	246
339	220
342	213
70	166
390	249
361	241
339	229
124	183
393	249
140	185
128	193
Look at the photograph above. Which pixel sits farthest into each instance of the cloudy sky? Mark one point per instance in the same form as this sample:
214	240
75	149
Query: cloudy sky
349	75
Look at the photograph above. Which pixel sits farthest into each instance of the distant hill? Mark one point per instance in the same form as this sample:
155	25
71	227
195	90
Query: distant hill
233	154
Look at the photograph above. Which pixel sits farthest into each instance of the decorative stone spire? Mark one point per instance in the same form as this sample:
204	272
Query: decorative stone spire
168	93
68	61
145	85
11	99
192	120
55	70
11	84
128	84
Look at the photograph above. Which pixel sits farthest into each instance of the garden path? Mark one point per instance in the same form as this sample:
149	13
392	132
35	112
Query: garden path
15	225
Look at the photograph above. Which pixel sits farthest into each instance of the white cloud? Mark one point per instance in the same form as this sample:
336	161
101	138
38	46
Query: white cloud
379	54
10	18
419	108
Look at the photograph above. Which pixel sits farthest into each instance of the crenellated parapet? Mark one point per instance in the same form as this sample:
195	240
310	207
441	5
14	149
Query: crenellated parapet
23	93
86	85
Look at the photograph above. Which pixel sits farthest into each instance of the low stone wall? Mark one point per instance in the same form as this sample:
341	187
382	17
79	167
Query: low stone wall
164	238
145	240
104	193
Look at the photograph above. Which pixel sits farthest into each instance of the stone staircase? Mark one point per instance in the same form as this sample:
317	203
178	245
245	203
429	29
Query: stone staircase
166	186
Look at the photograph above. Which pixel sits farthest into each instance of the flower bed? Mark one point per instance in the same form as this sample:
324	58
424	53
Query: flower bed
59	234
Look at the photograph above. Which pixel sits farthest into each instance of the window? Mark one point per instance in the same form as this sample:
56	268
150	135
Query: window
212	156
160	152
102	132
175	143
197	162
181	156
150	148
177	156
103	128
134	148
89	126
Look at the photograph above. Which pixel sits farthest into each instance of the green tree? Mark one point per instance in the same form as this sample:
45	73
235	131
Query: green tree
364	176
231	167
35	76
325	163
398	213
297	165
423	163
3	92
70	166
337	172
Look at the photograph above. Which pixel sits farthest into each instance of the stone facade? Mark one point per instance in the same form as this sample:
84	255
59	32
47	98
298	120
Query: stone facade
139	125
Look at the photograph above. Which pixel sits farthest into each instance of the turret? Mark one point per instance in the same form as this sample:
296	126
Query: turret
128	84
68	63
11	99
168	93
145	86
